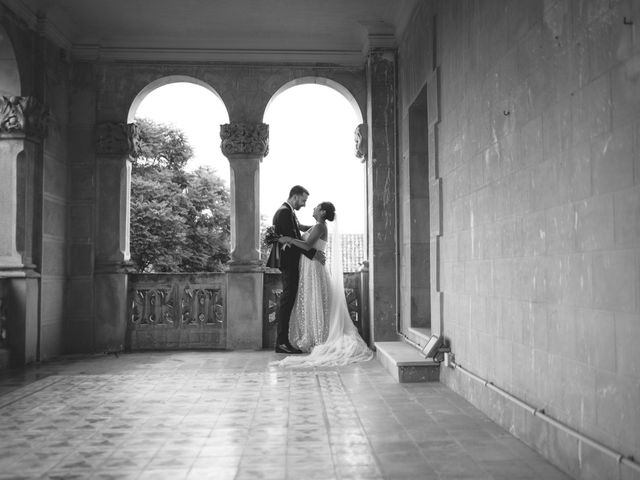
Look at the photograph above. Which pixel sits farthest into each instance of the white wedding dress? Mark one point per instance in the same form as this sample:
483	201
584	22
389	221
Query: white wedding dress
309	323
320	322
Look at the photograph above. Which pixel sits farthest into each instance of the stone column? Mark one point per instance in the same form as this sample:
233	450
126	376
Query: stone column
22	129
245	145
10	149
381	186
115	143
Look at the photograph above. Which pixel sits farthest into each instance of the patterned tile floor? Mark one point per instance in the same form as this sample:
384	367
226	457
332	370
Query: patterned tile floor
228	415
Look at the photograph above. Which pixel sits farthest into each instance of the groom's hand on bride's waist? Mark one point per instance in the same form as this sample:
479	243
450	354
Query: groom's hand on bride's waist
319	256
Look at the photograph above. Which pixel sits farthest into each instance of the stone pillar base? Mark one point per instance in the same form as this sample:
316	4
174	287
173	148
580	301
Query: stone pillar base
244	307
111	311
22	295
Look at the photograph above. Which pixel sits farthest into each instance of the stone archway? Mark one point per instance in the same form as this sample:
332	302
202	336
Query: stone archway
161	82
10	148
320	81
9	73
176	310
312	121
115	143
246	91
22	129
311	136
376	144
188	104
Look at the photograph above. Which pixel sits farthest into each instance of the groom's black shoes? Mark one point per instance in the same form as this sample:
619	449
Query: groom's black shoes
288	349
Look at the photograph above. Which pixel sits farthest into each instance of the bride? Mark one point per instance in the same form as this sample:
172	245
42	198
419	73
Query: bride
320	322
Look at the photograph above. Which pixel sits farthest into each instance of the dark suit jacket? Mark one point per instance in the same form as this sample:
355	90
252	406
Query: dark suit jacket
286	225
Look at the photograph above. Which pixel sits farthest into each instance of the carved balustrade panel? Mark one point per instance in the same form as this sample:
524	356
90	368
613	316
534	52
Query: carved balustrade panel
153	306
272	289
202	306
177	311
353	294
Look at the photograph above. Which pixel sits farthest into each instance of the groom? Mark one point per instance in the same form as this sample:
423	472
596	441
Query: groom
286	224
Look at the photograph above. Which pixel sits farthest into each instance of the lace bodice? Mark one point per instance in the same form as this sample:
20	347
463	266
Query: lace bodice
319	245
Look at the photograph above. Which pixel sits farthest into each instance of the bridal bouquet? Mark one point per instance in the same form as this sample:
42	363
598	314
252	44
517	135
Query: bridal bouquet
270	236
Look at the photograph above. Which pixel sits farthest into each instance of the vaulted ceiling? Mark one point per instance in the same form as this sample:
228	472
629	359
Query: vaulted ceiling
254	30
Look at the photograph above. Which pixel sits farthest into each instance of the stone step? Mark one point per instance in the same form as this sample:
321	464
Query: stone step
406	363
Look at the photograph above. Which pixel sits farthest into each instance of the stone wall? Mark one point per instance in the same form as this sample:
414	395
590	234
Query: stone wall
40	190
536	132
244	89
54	203
79	329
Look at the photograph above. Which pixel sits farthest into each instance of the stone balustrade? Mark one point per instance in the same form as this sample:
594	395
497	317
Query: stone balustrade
176	311
189	310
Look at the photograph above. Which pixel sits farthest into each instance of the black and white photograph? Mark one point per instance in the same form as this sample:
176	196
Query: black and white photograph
319	240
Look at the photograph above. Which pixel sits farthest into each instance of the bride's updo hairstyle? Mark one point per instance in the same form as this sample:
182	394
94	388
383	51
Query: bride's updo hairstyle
329	210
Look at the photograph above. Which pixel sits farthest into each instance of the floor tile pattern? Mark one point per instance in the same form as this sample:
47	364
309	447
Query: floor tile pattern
228	415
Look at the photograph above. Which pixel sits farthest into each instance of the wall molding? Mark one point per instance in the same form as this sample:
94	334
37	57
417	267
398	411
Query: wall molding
114	53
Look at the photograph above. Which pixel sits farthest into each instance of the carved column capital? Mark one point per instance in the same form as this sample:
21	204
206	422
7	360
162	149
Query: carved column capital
245	138
361	138
117	138
24	116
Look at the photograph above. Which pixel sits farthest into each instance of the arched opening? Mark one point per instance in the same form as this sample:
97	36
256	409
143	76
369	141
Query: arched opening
11	204
192	106
327	82
9	86
9	73
312	123
311	142
180	199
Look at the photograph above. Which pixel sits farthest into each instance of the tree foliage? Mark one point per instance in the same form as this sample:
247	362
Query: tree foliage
265	250
161	146
179	220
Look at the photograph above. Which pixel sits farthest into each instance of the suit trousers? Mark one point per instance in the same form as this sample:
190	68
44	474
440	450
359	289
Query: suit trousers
290	277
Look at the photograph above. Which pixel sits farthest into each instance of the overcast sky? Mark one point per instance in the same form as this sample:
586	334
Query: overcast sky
311	143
